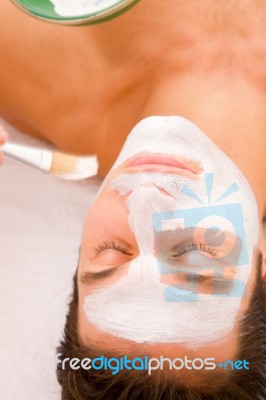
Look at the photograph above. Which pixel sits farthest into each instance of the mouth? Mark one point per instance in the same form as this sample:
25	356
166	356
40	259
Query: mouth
146	162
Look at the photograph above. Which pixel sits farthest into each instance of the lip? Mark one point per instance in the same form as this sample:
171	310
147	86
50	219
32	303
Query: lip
163	163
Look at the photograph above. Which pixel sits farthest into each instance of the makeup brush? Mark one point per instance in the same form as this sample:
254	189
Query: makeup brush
62	165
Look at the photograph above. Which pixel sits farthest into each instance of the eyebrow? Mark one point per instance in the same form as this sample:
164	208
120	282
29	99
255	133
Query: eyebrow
88	277
215	280
211	281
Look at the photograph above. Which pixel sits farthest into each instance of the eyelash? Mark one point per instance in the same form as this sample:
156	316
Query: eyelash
196	246
113	246
191	247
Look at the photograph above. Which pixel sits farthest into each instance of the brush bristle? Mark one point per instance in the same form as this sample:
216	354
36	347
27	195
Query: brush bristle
73	167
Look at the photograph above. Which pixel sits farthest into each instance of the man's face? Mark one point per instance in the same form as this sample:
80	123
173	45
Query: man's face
167	250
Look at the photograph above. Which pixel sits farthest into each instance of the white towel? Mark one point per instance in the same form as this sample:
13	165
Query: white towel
41	220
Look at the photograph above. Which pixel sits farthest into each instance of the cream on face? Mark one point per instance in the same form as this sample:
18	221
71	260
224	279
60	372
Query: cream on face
135	307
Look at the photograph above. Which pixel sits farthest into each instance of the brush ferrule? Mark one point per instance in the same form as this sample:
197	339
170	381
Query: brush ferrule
46	160
33	156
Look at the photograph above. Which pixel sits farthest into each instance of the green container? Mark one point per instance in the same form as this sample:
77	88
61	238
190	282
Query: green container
45	10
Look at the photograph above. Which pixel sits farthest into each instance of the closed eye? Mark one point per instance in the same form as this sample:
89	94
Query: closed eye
111	246
177	252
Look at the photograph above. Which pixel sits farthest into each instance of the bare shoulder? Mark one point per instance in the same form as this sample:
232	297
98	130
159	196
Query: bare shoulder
23	52
41	69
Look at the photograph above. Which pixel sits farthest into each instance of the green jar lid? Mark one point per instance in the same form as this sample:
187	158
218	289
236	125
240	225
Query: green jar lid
75	12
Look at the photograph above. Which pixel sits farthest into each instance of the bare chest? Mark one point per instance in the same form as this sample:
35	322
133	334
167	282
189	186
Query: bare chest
84	89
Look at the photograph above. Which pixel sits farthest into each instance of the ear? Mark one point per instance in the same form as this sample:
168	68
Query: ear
264	270
263	249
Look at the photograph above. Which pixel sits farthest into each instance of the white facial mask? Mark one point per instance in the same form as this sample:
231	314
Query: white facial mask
135	307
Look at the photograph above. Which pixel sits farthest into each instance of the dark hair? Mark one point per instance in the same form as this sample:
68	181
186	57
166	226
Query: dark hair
138	385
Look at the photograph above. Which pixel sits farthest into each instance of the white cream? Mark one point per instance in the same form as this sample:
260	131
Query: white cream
76	8
134	307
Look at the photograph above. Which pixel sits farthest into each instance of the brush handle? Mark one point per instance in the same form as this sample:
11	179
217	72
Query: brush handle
33	156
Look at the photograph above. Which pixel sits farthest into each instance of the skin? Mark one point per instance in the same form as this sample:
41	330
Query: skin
84	92
206	65
3	139
103	226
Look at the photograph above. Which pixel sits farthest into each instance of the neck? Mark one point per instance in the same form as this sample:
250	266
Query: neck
230	111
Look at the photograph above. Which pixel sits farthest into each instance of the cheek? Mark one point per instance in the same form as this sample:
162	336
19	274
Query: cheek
108	210
108	220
